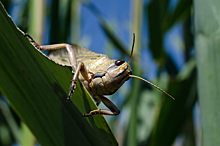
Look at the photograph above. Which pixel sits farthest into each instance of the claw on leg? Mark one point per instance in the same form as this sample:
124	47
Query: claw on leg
113	109
95	112
68	99
32	41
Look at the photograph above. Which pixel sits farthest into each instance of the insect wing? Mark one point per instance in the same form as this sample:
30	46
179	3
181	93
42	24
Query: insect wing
82	54
85	55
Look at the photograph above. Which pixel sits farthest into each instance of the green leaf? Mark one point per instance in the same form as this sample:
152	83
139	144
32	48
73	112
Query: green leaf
181	12
207	42
156	11
161	20
173	114
37	89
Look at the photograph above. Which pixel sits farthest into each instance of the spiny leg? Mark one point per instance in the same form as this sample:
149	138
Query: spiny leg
79	69
70	52
109	104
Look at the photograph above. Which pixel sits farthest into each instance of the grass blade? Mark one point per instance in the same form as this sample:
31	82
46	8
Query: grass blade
37	89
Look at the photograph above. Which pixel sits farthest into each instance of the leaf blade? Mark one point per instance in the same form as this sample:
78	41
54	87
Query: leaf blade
37	89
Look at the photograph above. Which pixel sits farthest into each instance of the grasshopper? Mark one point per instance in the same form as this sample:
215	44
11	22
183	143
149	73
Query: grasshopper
97	72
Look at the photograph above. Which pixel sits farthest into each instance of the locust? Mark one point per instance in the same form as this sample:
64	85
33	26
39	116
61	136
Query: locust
99	74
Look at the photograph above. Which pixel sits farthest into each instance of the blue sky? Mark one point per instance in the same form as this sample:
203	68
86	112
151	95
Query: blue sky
119	16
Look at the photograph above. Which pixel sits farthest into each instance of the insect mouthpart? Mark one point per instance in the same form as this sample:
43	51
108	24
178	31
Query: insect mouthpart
127	72
130	73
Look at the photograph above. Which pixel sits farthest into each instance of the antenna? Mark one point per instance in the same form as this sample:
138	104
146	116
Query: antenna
153	85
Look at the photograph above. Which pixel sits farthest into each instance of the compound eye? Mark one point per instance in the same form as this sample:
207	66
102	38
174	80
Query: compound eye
119	62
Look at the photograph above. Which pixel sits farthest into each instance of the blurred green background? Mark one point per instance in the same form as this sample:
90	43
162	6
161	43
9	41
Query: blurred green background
170	34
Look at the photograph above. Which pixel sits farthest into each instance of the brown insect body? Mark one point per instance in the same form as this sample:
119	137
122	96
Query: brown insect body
97	72
108	75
